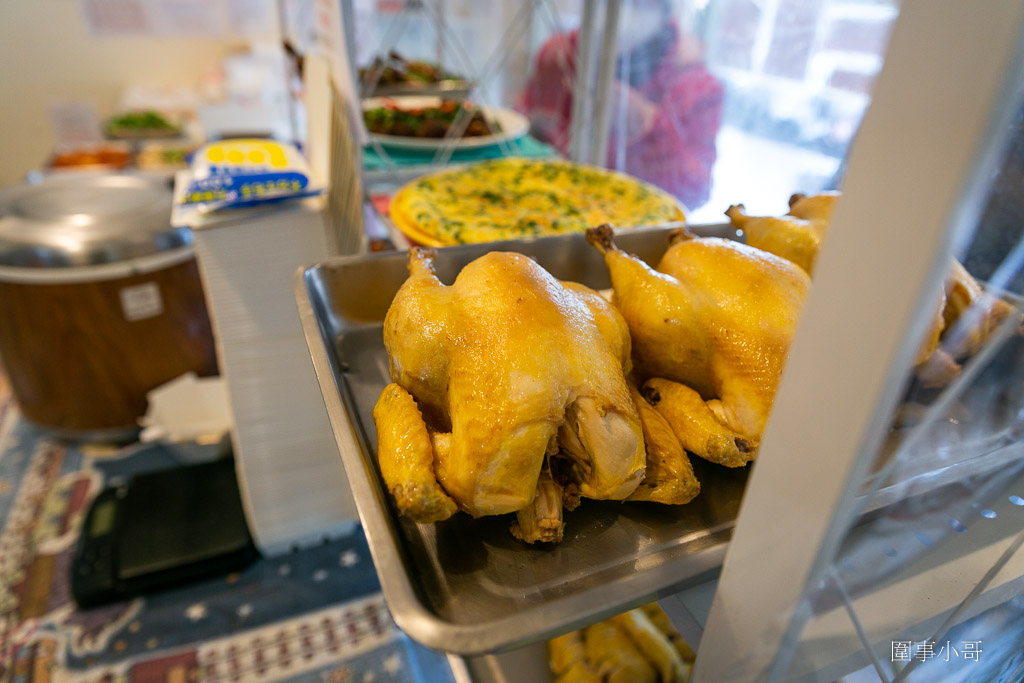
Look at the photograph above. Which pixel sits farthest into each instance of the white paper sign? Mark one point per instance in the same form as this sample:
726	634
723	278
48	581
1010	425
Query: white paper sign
204	18
75	123
330	36
186	17
115	17
252	17
141	301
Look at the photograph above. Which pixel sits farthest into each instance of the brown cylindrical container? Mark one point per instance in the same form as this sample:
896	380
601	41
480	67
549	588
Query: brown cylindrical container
100	301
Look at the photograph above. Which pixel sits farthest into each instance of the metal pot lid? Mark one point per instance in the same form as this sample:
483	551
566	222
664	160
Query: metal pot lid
86	220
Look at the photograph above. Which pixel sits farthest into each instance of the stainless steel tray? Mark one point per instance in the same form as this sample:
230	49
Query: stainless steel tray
525	664
466	585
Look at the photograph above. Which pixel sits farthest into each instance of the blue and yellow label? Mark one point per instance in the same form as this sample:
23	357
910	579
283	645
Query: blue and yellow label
247	154
243	172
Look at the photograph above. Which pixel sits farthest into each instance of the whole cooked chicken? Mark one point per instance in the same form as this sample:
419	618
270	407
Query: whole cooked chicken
797	236
496	377
711	329
964	316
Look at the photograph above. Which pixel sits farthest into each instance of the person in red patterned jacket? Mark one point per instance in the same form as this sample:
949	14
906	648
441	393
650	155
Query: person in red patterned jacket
666	105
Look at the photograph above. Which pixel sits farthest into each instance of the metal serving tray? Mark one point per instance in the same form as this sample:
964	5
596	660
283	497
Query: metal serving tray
466	585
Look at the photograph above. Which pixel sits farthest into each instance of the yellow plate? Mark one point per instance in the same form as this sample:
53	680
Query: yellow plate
516	198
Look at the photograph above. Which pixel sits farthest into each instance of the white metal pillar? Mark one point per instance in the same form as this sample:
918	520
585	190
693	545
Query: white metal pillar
917	174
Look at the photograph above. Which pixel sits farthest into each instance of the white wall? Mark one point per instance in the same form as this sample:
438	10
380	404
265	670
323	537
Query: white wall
47	54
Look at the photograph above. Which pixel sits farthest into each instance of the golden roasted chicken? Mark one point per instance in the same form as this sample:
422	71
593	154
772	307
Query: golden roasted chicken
495	378
711	329
797	236
964	317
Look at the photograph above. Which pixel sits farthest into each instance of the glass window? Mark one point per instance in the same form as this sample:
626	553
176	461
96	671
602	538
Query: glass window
515	60
743	100
501	74
944	502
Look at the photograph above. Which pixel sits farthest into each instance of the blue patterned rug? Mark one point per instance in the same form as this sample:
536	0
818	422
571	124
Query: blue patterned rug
313	615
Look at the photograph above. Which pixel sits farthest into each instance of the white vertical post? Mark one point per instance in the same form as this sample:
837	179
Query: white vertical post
318	85
918	173
348	25
582	114
603	91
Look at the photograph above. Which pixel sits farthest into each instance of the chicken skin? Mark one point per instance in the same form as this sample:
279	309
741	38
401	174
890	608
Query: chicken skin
493	378
711	329
965	315
797	236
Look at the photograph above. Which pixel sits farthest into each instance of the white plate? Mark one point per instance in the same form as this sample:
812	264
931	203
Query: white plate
513	125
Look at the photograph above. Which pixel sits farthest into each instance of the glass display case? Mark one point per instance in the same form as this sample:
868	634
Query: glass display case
448	82
885	507
743	101
715	103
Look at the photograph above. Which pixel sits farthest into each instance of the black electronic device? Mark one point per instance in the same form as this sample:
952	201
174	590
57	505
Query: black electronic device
159	529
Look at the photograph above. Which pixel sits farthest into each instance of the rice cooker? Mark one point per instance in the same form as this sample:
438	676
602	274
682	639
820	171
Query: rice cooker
100	301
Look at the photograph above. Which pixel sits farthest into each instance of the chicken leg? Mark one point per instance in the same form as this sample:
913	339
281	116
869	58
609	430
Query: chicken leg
669	478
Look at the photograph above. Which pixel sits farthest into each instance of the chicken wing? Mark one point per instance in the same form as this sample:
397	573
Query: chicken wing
653	643
614	655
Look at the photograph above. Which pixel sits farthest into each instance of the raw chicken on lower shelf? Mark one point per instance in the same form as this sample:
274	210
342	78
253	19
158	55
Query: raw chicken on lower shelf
510	395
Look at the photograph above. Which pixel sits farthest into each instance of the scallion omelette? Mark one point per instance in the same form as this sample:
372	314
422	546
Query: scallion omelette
514	198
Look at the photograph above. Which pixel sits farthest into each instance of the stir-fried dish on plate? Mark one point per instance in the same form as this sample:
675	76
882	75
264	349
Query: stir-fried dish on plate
435	120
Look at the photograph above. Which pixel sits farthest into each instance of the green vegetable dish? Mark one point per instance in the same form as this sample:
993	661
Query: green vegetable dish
140	124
